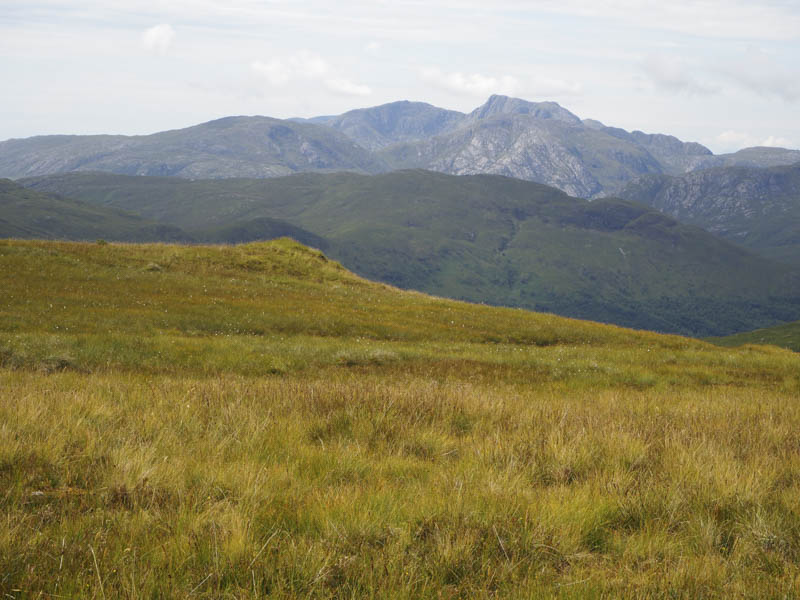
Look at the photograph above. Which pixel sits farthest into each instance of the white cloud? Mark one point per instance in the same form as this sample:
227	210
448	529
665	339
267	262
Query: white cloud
736	19
763	74
279	71
275	71
776	142
158	39
347	87
736	139
474	84
673	74
307	67
539	87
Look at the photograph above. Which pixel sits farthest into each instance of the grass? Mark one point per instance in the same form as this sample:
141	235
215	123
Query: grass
256	421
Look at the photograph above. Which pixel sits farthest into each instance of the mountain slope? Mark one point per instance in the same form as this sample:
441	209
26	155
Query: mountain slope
757	208
786	335
26	213
576	159
380	126
233	146
487	239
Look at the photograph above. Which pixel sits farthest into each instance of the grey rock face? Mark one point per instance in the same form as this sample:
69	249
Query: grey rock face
579	160
756	207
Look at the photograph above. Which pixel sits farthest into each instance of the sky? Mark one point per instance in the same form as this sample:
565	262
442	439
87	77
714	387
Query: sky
725	73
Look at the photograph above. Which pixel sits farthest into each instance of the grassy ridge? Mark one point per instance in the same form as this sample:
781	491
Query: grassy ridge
255	420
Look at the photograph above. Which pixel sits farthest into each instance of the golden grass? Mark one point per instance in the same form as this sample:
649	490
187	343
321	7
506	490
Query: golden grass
380	444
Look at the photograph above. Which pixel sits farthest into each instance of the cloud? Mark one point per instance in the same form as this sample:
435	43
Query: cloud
474	84
673	74
762	73
722	19
308	67
158	39
279	71
776	142
347	87
735	140
275	71
550	86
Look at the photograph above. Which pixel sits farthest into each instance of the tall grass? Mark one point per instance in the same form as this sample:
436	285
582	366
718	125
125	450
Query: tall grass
383	444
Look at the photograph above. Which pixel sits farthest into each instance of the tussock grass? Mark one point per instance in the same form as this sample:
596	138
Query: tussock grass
299	432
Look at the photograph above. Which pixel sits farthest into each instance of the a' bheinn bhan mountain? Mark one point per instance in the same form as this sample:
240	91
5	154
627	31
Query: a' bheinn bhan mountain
754	207
483	238
540	142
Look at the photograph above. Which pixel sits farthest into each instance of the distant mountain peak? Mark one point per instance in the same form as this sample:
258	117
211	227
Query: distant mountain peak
498	104
380	126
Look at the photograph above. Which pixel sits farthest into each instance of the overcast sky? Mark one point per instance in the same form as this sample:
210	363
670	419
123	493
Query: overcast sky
725	73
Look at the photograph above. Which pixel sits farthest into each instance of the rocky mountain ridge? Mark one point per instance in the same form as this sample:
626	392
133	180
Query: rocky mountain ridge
535	141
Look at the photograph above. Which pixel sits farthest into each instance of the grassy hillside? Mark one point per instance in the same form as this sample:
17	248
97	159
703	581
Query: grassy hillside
484	239
27	213
785	336
255	421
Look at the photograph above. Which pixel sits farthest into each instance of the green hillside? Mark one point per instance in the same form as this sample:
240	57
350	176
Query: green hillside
785	336
485	239
26	213
255	421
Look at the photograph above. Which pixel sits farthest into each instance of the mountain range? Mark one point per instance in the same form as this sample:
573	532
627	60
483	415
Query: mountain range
375	189
484	238
535	141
